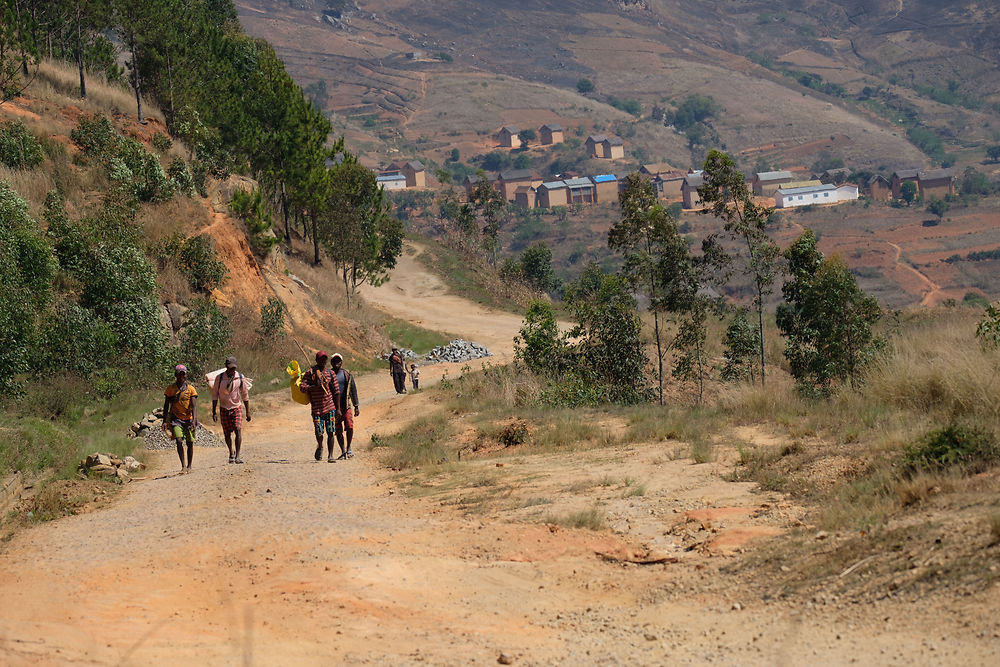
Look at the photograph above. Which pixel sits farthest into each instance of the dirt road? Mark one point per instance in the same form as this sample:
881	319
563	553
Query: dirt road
288	561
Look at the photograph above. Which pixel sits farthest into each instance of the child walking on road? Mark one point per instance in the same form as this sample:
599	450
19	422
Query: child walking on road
415	376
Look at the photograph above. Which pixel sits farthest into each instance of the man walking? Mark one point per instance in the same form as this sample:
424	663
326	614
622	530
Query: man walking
229	389
324	396
180	414
348	402
398	370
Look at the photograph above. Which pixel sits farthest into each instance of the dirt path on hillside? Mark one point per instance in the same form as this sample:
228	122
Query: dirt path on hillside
420	297
288	561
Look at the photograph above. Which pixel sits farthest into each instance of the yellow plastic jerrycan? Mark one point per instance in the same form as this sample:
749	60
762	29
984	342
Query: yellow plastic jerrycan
295	374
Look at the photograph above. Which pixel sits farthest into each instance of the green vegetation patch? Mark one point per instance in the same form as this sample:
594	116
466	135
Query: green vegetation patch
963	446
414	337
422	443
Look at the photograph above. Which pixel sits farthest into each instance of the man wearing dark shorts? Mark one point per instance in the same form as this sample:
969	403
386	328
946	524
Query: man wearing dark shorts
397	369
347	409
229	389
324	396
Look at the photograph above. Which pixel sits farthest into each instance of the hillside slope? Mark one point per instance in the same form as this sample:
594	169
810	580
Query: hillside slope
655	52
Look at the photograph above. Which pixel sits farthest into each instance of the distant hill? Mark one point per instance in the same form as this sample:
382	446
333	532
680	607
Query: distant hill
787	74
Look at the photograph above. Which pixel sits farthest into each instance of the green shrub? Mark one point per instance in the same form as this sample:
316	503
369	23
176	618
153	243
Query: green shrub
27	267
181	177
137	171
95	136
513	434
253	209
162	142
71	339
119	286
272	320
198	261
206	337
988	329
968	447
19	149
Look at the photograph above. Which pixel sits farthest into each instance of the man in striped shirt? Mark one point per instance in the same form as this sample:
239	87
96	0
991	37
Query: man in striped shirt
324	397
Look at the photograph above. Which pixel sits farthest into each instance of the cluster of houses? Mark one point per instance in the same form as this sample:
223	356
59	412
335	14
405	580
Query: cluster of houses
522	188
600	146
399	176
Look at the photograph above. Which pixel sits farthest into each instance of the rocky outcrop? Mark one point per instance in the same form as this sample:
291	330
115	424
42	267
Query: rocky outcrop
109	466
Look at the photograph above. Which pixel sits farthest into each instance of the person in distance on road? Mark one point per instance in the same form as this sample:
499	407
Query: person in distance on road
397	367
347	408
180	414
229	389
324	396
414	376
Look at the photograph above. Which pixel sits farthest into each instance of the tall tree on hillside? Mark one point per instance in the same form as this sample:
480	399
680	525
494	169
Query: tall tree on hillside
491	208
826	318
87	19
360	236
17	47
657	260
134	21
305	179
728	197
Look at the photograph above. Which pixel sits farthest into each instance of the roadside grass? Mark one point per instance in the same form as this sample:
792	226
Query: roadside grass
414	337
422	443
590	519
54	429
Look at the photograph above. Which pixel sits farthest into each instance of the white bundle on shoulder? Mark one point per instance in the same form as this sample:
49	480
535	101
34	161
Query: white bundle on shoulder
210	378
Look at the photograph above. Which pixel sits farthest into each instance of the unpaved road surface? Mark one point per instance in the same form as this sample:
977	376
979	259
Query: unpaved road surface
286	561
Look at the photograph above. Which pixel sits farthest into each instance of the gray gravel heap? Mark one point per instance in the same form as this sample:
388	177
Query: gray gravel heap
150	430
455	351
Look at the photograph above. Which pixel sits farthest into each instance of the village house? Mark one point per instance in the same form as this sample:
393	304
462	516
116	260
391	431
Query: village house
689	190
835	176
524	196
507	136
935	183
878	188
510	180
655	169
605	188
581	190
826	193
669	184
900	177
595	145
470	183
766	183
391	181
550	133
613	147
552	193
414	173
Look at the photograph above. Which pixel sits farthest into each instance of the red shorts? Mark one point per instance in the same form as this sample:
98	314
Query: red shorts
232	419
345	419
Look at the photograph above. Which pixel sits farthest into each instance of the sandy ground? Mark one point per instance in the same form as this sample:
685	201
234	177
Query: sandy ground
288	561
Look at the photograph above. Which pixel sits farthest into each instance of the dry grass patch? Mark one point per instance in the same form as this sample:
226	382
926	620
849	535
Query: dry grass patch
422	443
59	82
590	519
